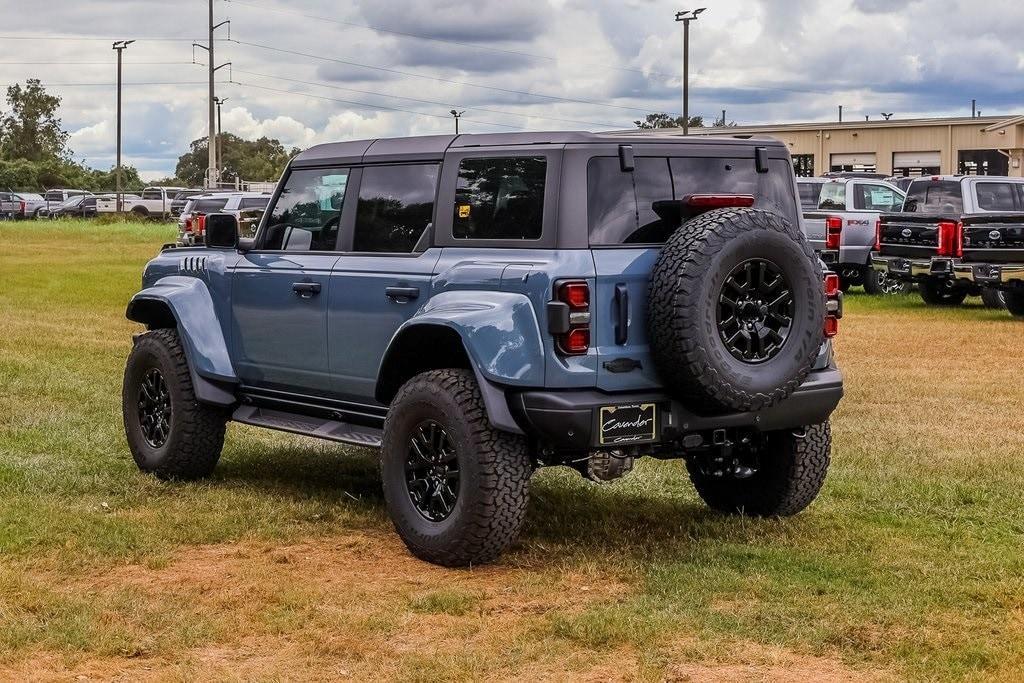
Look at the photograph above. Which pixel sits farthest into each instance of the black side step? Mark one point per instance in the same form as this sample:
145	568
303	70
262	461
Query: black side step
321	428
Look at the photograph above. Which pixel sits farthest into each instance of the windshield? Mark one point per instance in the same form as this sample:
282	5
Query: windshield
934	196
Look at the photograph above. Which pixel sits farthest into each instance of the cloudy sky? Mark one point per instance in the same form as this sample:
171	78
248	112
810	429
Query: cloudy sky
307	71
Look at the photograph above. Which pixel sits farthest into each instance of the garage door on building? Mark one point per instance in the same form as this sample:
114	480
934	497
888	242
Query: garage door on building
863	162
915	163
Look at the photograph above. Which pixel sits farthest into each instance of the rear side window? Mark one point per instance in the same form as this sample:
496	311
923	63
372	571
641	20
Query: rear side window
54	196
500	198
809	194
833	196
396	204
934	196
209	205
623	207
996	197
253	203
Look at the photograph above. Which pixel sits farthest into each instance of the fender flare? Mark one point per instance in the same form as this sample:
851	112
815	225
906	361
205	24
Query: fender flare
189	302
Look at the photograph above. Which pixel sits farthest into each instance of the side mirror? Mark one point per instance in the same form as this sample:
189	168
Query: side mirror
221	231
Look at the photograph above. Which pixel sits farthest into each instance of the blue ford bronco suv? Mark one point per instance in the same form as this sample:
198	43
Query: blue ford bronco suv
479	306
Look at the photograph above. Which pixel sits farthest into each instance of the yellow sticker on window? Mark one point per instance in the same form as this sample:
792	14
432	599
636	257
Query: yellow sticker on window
463	210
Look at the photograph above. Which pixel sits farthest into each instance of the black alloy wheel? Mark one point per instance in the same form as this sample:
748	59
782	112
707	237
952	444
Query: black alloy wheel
154	408
432	471
755	311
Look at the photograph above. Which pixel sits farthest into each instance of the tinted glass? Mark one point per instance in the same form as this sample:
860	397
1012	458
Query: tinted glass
611	201
209	205
659	179
54	196
996	196
253	202
396	204
151	194
809	194
832	196
307	213
500	199
877	198
934	196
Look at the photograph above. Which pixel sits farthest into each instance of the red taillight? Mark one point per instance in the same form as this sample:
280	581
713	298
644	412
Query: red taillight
831	284
201	225
951	241
833	232
573	337
719	201
878	235
577	341
188	224
833	305
21	205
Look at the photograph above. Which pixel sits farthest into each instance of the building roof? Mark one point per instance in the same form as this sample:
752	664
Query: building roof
988	122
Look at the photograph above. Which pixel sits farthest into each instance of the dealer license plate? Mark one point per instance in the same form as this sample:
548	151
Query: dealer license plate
627	424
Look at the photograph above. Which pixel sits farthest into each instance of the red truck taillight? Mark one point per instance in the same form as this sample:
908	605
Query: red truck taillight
878	235
21	208
951	239
572	310
188	224
833	305
833	232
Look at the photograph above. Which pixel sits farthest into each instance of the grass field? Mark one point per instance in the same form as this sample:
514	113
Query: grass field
283	566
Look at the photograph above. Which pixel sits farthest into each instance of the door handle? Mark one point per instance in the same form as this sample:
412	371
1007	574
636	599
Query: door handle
622	308
402	294
306	290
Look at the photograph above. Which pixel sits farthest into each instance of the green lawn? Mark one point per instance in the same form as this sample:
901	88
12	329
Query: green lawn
283	565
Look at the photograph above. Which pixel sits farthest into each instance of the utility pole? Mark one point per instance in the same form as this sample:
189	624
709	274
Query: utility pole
457	115
723	119
119	46
220	139
212	171
686	16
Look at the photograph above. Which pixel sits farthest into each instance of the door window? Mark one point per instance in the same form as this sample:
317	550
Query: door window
307	213
996	197
151	194
396	204
871	197
500	198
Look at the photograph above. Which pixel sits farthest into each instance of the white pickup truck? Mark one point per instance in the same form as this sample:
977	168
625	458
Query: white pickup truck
844	219
155	202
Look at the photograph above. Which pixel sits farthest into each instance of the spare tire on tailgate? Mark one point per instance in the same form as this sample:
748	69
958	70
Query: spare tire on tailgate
736	310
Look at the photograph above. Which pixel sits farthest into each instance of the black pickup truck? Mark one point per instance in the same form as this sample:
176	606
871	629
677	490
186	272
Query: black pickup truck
993	258
949	225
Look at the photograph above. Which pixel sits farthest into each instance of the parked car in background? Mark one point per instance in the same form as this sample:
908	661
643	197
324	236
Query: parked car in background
951	222
155	202
844	220
81	206
480	306
854	174
247	207
181	199
902	182
56	196
810	189
33	204
10	206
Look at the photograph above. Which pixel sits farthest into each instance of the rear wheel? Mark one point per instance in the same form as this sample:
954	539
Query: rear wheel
456	488
993	298
1015	302
790	471
936	292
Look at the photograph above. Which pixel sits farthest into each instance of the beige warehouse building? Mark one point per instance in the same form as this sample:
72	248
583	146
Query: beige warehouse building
986	145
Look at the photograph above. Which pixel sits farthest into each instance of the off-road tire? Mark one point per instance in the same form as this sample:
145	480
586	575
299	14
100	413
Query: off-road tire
686	282
494	472
196	433
1015	302
934	292
993	298
791	473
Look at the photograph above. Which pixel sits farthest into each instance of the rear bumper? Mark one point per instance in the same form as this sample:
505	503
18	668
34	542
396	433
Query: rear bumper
991	274
569	420
903	268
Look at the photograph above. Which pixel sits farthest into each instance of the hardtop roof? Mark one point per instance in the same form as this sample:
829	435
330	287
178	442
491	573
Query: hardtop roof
434	146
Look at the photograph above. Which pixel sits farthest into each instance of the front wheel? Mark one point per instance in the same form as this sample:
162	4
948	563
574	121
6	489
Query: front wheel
937	292
789	471
455	488
170	434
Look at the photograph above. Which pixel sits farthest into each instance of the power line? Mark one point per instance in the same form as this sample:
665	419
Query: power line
439	78
111	85
105	39
365	104
96	63
422	101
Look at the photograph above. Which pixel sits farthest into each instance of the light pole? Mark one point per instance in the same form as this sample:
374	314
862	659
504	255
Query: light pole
220	140
457	115
119	46
686	16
